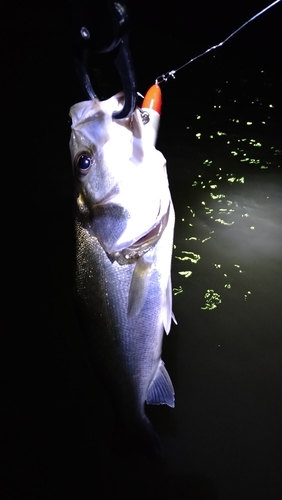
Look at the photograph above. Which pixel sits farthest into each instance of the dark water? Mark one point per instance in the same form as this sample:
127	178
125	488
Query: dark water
221	135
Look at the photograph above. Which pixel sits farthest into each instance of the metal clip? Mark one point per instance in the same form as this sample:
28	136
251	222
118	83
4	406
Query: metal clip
165	77
102	28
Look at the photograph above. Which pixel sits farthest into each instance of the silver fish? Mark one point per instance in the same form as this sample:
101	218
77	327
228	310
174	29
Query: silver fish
124	236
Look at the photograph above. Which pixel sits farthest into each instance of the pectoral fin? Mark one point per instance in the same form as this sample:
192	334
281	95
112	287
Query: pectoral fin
161	390
138	287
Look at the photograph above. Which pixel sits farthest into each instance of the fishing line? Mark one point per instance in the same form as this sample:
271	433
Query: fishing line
165	76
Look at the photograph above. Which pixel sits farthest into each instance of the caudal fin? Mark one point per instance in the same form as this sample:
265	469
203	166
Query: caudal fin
161	391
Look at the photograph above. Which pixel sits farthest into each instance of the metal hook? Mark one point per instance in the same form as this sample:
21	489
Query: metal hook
98	32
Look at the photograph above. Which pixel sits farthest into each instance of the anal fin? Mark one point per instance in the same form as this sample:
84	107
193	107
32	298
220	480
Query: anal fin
161	391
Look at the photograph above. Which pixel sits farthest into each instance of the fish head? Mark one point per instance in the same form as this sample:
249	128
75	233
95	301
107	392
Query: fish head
91	123
121	181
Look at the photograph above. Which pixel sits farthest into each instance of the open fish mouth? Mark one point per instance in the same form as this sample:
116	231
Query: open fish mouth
132	253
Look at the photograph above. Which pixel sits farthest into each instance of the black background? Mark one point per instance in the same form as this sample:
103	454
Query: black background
53	406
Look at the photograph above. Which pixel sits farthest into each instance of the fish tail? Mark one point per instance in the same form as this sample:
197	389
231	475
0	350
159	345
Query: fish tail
140	439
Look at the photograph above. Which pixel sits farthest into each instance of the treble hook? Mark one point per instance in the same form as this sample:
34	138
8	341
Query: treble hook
91	23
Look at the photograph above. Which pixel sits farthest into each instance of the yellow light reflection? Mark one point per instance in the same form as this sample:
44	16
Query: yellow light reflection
214	207
224	223
238	267
193	257
192	212
217	196
186	274
206	239
212	300
234	179
208	210
247	295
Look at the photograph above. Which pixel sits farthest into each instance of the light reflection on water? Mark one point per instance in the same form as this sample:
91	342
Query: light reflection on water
224	355
228	239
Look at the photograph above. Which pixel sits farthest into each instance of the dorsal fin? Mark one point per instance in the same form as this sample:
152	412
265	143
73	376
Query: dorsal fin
161	391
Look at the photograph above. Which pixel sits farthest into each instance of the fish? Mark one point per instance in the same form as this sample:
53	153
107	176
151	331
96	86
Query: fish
124	227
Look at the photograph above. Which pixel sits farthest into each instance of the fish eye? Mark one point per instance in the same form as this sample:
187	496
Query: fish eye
82	162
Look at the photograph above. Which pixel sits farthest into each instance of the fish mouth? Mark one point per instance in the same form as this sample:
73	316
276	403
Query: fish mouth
132	253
